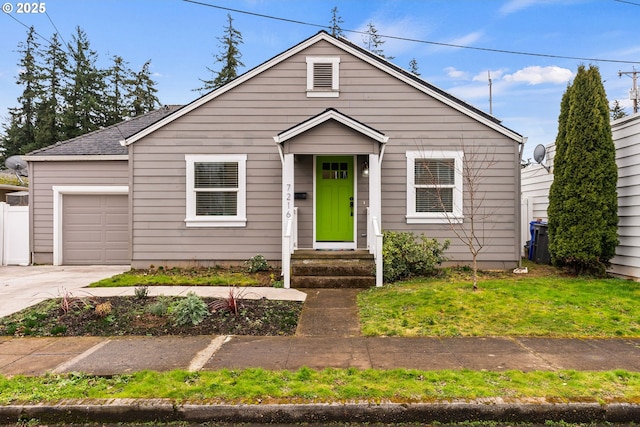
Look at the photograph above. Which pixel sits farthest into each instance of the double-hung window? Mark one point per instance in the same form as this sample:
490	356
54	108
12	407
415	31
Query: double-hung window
216	190
434	186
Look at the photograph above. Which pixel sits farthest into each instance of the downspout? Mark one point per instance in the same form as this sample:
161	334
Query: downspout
519	201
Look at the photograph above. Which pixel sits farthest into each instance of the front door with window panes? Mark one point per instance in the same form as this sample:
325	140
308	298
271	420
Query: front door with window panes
334	199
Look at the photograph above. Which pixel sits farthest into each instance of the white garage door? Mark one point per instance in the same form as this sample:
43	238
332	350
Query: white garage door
95	229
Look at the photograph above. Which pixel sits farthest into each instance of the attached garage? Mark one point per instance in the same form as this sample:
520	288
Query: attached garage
95	229
79	196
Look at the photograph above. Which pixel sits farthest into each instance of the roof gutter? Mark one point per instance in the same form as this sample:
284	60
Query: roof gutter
76	157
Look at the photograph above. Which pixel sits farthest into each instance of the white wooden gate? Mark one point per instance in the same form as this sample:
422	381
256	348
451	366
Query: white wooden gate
14	235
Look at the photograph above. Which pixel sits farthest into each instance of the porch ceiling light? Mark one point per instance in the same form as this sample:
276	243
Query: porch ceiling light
365	169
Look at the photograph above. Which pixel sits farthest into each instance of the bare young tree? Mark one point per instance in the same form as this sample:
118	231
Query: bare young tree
437	179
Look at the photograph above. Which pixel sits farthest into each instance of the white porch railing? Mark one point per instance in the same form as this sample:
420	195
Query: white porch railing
374	244
289	244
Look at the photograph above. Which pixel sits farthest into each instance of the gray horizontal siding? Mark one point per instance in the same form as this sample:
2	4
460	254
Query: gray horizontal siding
245	119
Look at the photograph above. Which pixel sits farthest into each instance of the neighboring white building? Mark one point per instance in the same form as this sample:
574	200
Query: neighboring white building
536	182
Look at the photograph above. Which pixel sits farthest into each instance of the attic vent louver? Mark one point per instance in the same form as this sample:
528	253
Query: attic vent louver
322	75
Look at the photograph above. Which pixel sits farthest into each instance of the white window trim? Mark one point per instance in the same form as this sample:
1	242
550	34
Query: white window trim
335	77
239	220
58	192
456	216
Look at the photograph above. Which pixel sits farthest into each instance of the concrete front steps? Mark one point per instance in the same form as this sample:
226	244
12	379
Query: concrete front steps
332	269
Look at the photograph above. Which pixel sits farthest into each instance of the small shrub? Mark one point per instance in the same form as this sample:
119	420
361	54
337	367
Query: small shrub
103	309
160	307
256	263
230	304
190	310
141	292
406	255
275	283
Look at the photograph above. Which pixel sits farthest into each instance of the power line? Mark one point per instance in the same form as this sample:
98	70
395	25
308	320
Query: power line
37	33
484	49
628	2
55	28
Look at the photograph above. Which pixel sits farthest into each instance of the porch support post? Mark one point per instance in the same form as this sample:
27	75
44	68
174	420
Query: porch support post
375	196
287	216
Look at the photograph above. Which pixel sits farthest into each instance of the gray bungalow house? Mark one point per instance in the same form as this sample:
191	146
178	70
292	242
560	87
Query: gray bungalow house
320	148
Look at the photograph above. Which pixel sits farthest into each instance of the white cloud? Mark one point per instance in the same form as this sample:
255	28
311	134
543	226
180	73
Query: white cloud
467	39
456	74
537	75
515	6
484	75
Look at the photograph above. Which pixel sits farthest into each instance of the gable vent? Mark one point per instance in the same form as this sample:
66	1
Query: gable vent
322	75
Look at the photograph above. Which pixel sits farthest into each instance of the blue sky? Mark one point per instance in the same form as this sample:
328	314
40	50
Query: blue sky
180	39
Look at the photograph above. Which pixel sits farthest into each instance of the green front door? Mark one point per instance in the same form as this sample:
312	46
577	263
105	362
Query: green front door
334	199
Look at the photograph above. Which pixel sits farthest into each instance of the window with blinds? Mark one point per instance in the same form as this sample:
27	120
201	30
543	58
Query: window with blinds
434	181
216	187
216	190
434	186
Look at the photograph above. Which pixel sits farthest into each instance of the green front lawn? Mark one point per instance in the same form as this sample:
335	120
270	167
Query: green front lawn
189	277
507	305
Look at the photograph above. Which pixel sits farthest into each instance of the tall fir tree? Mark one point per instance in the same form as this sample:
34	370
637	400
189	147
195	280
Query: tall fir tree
617	111
229	57
119	81
334	25
373	41
21	130
84	89
583	204
49	124
143	92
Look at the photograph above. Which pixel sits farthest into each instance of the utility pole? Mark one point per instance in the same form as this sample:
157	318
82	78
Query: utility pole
633	93
490	94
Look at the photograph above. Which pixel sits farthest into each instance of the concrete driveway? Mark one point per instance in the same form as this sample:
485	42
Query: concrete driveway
21	287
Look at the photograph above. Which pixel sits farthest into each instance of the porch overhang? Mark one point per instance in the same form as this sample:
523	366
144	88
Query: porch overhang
366	141
330	114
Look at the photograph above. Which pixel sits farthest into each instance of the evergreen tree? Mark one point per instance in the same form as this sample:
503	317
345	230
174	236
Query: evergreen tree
49	125
374	42
583	206
413	67
21	131
617	111
84	88
336	20
229	56
143	92
119	85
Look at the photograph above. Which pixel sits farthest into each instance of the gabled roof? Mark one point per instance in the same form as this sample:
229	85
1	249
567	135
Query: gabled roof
330	114
102	142
356	51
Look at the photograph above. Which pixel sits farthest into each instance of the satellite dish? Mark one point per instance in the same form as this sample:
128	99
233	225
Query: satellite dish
538	155
18	166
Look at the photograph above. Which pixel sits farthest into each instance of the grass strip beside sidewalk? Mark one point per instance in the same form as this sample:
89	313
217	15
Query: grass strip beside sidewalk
329	385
